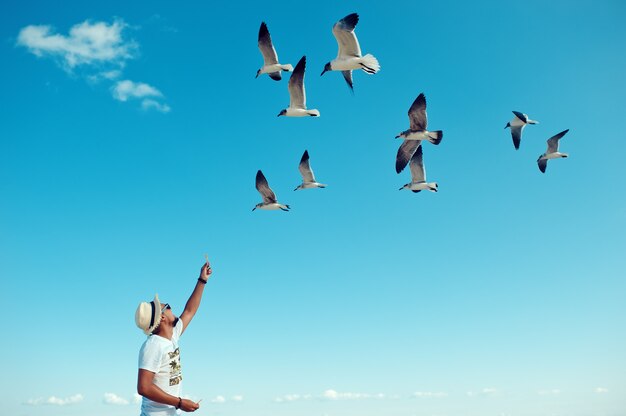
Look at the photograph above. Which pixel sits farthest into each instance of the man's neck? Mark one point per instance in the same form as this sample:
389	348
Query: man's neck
165	331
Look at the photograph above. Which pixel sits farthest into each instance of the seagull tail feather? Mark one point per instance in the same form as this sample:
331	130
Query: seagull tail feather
435	136
370	64
433	186
287	67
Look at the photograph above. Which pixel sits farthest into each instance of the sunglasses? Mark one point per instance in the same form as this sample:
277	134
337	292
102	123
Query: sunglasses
165	307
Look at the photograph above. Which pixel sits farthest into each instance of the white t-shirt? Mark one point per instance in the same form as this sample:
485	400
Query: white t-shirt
162	357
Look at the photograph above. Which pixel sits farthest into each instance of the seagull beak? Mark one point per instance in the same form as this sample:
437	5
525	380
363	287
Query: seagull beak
397	137
323	72
253	208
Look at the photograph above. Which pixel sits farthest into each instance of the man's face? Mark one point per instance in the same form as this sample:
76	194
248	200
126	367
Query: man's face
166	311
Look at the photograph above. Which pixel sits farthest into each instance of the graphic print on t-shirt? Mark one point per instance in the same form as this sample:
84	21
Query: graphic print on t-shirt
176	375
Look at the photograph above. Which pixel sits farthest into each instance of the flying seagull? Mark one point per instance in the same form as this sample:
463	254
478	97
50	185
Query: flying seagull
552	152
269	198
517	125
418	174
270	58
417	132
349	55
297	94
308	179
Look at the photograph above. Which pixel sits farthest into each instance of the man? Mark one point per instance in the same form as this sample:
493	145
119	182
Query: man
160	375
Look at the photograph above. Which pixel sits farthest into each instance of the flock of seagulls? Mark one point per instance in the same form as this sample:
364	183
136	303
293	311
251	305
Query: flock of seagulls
517	125
349	58
269	197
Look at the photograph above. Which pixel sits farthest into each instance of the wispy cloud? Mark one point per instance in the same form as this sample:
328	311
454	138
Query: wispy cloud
429	394
149	104
123	90
100	50
600	390
114	399
329	394
56	401
487	391
292	398
335	395
222	399
127	89
104	76
86	44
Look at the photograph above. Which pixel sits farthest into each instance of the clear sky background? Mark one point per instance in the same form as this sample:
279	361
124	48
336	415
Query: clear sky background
123	163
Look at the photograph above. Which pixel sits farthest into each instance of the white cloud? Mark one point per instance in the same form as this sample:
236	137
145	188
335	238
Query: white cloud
334	395
238	398
149	104
104	75
127	89
112	398
600	390
86	44
218	399
123	90
331	394
422	394
101	48
292	398
53	400
488	391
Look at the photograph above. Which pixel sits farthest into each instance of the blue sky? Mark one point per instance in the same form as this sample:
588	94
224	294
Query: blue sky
122	164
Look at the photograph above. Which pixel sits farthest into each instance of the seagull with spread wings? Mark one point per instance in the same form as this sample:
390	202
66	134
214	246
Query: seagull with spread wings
418	174
270	58
297	94
418	121
349	56
552	152
517	125
308	178
269	197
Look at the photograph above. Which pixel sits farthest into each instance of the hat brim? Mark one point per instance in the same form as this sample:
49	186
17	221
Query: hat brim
157	315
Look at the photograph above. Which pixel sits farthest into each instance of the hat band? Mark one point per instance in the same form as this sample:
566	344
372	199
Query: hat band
153	315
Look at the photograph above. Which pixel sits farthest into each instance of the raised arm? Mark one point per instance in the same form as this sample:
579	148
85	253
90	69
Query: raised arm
192	305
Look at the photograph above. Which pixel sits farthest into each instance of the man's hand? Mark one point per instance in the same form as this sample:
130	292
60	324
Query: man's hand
205	271
188	405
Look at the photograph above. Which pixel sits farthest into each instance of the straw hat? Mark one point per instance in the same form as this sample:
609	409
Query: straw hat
148	315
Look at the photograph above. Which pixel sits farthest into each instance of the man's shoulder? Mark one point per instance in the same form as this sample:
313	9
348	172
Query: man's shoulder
152	342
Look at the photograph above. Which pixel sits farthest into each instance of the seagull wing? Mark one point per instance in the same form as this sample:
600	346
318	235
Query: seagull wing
523	117
264	189
297	93
418	172
417	113
347	75
266	47
346	39
543	164
553	142
305	168
405	152
516	133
